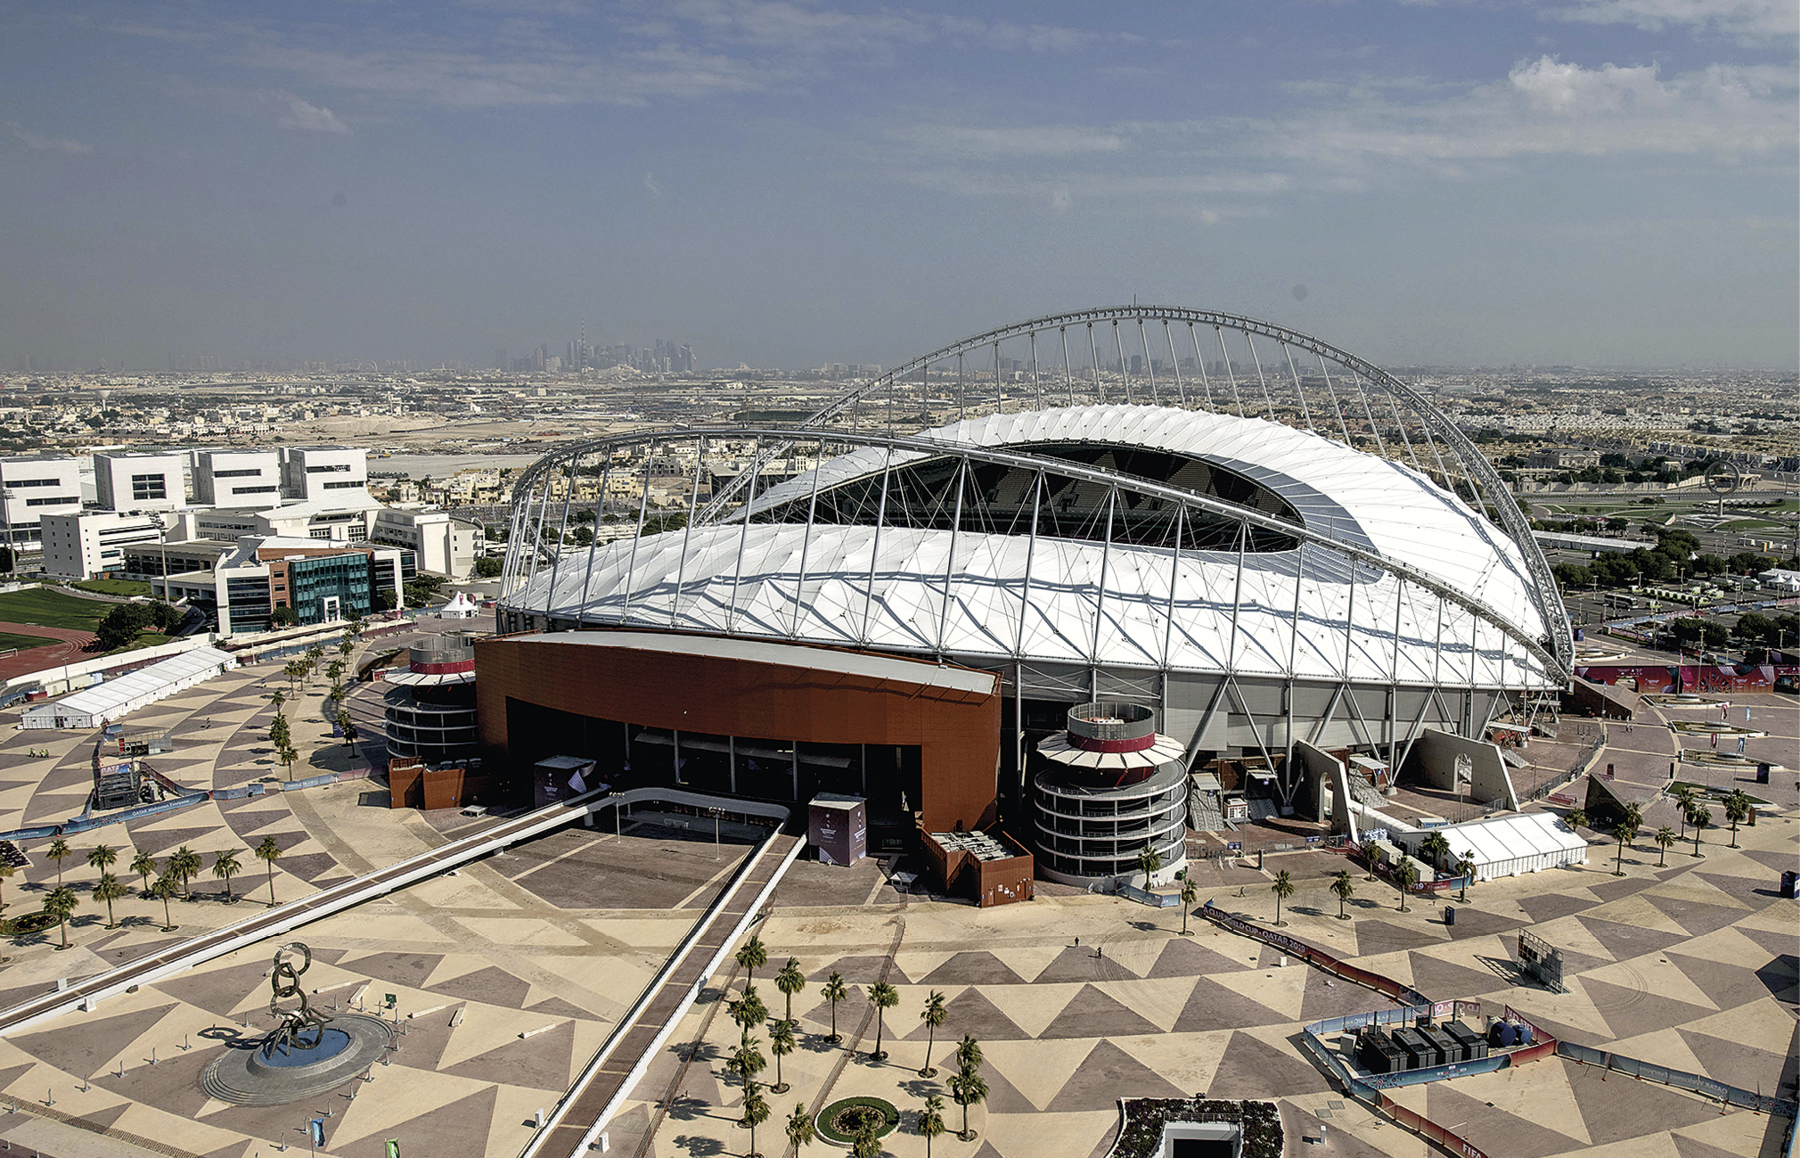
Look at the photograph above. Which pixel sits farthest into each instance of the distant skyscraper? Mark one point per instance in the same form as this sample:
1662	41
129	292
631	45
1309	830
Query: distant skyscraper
500	362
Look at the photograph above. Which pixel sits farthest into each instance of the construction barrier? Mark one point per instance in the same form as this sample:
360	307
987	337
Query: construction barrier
1680	1079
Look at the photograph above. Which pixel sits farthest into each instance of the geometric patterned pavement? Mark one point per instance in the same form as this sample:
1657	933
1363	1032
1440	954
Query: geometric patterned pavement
1691	965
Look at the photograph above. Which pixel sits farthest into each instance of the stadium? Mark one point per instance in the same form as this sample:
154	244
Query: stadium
1211	541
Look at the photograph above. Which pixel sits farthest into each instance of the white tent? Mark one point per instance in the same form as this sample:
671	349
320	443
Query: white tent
104	703
459	607
1506	846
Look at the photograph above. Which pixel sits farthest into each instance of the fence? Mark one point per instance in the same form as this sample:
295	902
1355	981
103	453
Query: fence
1543	1043
1680	1079
1405	994
1426	1128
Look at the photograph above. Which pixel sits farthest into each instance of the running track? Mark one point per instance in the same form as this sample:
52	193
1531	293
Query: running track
67	649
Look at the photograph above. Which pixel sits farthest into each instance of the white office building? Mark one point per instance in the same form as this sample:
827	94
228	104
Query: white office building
32	487
91	544
140	482
443	543
323	474
237	478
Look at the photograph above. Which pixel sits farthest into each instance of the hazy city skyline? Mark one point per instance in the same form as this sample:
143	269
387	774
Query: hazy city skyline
1598	182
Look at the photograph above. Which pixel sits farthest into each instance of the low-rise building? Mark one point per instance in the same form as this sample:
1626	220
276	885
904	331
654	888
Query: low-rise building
237	478
264	574
32	487
323	473
140	482
93	544
444	544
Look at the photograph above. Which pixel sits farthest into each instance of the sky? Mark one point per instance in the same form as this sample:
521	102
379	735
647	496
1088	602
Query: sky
787	183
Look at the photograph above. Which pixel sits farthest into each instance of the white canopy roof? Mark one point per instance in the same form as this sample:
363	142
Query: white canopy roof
111	700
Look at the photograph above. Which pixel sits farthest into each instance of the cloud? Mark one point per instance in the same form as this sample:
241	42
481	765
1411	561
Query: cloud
46	144
1748	20
1045	141
295	113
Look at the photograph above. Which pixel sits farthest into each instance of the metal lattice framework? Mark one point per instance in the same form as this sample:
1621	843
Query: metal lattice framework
1347	400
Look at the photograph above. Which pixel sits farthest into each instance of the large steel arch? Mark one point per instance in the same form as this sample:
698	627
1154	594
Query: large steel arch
892	403
544	508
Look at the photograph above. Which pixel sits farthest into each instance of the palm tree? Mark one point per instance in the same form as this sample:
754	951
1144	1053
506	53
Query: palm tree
800	1130
1737	810
747	1059
968	1053
1343	888
1685	797
1405	877
756	1112
347	726
144	865
968	1088
1698	817
1149	862
6	872
1625	831
184	862
269	851
1283	888
102	857
933	1016
287	754
108	889
1575	818
781	1043
1190	892
224	865
278	698
931	1120
61	904
749	1011
59	848
1435	847
280	735
164	888
883	997
1465	868
865	1144
790	981
835	991
751	957
1665	836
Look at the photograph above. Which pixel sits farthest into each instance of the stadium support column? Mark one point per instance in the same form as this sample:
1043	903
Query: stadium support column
1112	494
731	757
1124	375
643	509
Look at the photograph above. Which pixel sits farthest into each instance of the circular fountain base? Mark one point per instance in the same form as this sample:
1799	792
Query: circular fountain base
254	1075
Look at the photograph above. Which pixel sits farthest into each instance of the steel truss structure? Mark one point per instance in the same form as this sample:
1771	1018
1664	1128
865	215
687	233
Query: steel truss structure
1250	623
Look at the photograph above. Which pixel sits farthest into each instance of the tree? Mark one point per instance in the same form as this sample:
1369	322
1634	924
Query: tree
286	754
790	981
334	671
280	734
488	567
1149	862
278	698
6	872
749	1011
107	890
931	1121
968	1053
347	726
284	616
800	1130
1435	847
1575	818
1283	888
1737	810
184	862
61	904
144	865
750	958
835	991
781	1043
224	866
747	1059
120	626
756	1112
1465	868
1190	892
1405	877
883	997
164	888
865	1144
1343	888
1698	817
968	1088
1625	831
102	857
933	1015
1685	797
269	851
59	848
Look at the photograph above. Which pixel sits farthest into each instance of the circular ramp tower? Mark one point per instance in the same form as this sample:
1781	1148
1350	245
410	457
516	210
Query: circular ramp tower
1109	787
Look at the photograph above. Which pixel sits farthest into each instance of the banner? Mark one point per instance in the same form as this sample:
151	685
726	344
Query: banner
318	1131
393	1149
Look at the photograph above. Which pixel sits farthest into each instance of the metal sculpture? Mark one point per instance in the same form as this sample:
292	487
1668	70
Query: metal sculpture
284	981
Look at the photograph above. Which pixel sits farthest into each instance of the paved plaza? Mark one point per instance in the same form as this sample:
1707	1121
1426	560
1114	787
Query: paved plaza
509	973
